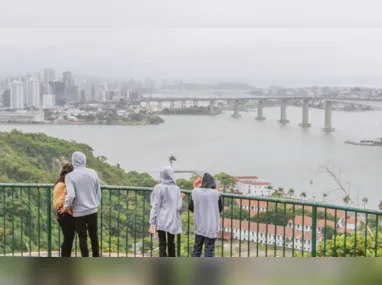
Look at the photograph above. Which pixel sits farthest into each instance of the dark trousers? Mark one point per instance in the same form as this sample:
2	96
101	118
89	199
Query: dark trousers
209	246
66	222
83	225
164	245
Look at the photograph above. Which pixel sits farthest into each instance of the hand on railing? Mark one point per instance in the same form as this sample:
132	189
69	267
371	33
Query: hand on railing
153	230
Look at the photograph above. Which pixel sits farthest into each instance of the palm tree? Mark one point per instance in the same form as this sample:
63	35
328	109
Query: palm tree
380	206
365	201
171	159
291	192
280	191
325	195
346	199
303	196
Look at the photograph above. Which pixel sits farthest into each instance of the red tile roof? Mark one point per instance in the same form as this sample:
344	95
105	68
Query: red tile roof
245	177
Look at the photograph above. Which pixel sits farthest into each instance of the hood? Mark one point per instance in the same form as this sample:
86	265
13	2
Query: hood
208	181
167	176
78	159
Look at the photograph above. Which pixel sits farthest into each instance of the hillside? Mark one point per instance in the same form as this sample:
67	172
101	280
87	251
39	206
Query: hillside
37	158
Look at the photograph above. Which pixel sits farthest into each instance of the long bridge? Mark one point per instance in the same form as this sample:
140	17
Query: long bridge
262	100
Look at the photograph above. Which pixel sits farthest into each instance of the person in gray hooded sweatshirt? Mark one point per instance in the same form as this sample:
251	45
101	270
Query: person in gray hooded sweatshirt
84	197
206	204
165	216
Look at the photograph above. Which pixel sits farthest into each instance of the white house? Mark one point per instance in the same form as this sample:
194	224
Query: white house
249	185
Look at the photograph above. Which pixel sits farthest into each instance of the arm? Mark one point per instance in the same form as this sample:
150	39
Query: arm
191	205
220	203
99	191
70	193
155	204
180	202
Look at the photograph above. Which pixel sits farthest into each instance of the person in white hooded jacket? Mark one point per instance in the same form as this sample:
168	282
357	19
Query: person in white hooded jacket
165	217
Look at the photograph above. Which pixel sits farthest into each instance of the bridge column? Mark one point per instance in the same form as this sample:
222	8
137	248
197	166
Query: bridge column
172	105
283	118
147	104
260	108
305	114
195	103
212	107
328	118
159	103
236	110
184	103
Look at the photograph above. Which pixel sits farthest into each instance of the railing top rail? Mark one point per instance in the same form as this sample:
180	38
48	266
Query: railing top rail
234	196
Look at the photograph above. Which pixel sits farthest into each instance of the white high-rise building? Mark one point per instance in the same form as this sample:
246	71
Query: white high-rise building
33	93
17	95
49	76
48	101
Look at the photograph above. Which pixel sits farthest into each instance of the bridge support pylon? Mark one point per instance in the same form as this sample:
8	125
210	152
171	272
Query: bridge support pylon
236	110
305	114
283	118
328	118
260	109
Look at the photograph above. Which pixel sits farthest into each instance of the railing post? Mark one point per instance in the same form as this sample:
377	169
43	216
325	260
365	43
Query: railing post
49	220
178	243
314	231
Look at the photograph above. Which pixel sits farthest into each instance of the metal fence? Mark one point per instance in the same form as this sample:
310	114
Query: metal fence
250	227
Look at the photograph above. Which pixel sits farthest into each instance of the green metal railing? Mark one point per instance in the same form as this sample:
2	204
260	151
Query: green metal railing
250	227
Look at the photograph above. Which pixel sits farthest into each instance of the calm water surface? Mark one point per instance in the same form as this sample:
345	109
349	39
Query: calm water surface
283	155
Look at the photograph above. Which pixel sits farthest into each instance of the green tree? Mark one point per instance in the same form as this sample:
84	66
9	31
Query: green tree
236	213
185	184
327	232
365	200
303	196
227	181
325	195
346	199
291	192
171	160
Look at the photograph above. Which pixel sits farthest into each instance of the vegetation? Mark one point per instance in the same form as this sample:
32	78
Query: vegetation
171	160
37	158
226	181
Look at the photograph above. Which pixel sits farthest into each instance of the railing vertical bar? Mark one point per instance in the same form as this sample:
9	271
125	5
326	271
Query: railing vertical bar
143	224
21	222
355	237
266	230
346	223
326	230
240	220
110	206
376	235
38	220
49	220
303	229
249	229
335	234
284	232
118	221
188	225
366	225
13	221
231	241
127	224
29	222
294	224
314	232
135	223
4	221
275	233
257	228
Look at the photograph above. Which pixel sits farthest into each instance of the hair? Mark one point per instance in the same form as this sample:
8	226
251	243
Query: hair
67	168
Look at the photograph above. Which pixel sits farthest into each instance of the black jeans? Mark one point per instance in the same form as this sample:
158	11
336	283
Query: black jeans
83	225
66	222
209	247
163	244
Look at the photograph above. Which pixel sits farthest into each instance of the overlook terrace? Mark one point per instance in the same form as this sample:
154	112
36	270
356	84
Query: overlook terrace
250	226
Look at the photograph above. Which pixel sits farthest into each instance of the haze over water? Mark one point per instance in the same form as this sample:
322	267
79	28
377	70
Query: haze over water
286	156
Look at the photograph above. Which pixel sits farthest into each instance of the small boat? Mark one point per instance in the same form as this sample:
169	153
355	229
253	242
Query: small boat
377	142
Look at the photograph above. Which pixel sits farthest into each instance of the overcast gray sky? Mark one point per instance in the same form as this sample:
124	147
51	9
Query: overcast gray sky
262	42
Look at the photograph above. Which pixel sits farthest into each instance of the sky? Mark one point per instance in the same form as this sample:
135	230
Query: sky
278	42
